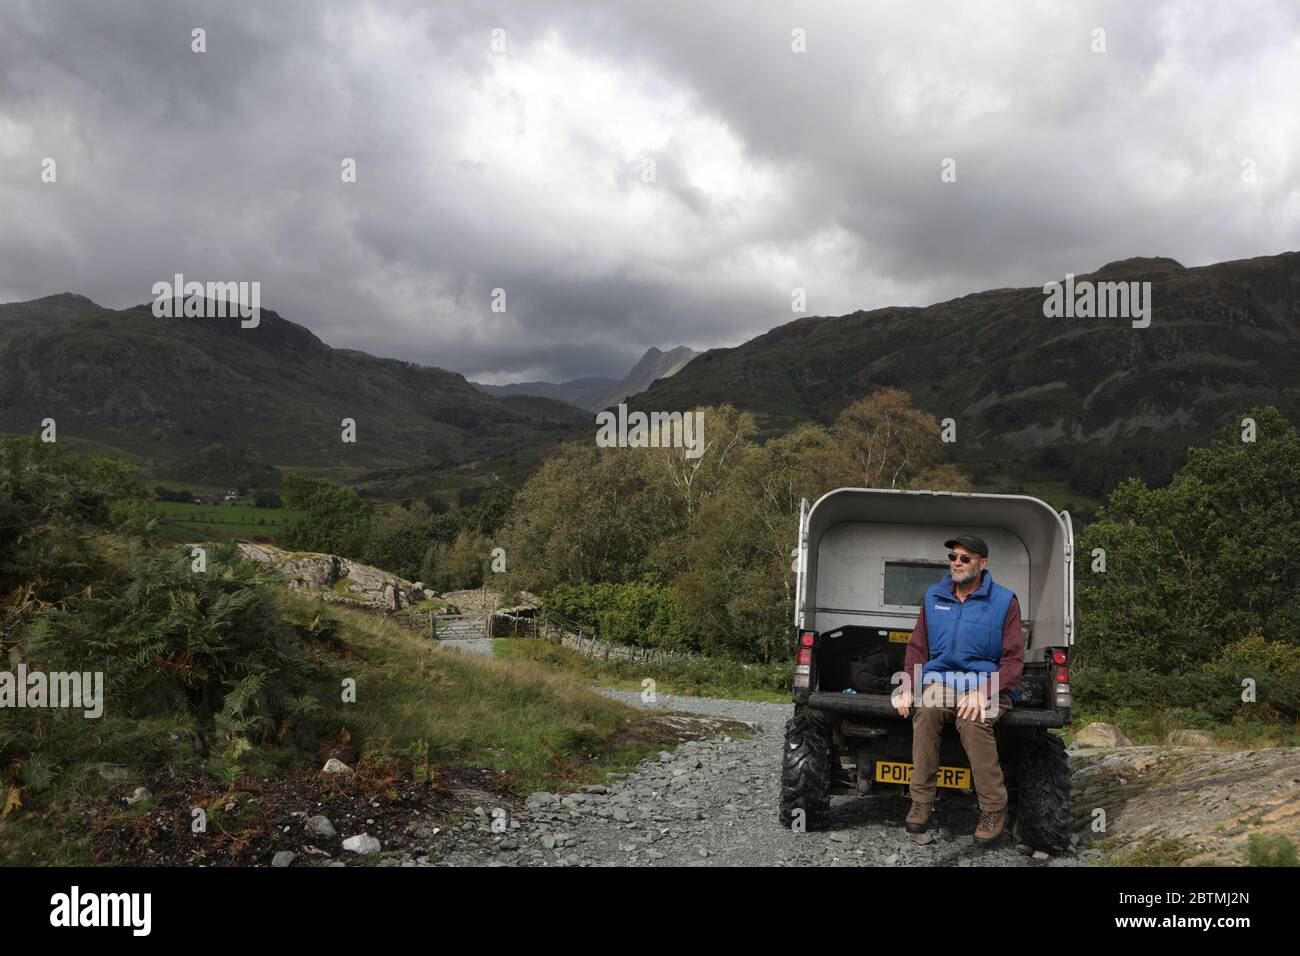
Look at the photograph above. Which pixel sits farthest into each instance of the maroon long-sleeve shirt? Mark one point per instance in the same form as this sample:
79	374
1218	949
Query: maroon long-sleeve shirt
1010	668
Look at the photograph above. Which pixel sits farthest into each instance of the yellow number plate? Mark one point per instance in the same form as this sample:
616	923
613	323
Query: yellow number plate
888	771
899	637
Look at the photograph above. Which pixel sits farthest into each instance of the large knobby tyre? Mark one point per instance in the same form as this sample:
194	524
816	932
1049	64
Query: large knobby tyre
806	770
1043	816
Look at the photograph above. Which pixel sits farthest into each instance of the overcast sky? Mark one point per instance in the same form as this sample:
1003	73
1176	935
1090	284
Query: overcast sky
524	168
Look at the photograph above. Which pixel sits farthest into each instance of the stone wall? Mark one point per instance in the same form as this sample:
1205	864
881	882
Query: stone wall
597	649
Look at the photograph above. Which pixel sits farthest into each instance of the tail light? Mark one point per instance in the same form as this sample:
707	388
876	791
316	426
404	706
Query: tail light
803	660
1060	677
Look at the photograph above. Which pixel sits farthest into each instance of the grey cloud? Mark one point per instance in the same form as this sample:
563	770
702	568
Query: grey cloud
774	169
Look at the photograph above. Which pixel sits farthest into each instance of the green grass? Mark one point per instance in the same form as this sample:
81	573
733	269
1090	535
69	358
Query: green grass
1148	853
49	829
534	726
715	678
1152	725
1058	494
183	521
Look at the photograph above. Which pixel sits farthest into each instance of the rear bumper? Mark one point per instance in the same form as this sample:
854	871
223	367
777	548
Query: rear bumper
879	706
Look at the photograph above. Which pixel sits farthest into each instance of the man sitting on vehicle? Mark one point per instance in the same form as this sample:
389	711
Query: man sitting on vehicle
967	625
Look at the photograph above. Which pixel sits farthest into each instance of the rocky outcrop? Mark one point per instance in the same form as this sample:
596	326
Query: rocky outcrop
486	600
1101	735
339	579
1189	805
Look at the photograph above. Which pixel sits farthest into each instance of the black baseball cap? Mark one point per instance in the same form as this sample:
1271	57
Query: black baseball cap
971	542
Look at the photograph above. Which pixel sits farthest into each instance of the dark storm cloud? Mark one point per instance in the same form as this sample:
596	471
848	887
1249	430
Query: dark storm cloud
525	170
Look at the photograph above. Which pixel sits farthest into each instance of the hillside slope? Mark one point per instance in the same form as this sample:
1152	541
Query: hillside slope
1221	338
200	399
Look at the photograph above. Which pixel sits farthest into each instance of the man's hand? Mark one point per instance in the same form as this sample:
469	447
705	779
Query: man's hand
971	706
903	701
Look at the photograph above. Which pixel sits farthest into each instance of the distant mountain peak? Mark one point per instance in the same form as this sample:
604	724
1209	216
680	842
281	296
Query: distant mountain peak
1139	266
594	394
65	299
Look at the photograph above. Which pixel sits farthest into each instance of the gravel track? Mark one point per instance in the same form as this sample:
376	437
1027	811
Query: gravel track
713	802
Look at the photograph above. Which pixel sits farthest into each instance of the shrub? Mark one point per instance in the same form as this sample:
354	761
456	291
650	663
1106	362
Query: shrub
337	520
638	614
167	638
1192	567
458	565
1272	665
1271	851
43	491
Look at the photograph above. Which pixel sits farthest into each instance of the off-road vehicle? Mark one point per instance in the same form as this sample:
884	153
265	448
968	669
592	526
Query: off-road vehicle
863	562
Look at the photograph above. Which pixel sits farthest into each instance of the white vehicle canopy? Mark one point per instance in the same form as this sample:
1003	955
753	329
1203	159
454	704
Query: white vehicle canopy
866	556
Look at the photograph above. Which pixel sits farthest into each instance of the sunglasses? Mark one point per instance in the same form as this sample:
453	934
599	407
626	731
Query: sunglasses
963	558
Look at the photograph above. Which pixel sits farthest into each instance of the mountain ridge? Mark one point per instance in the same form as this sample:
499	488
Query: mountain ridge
206	398
1022	386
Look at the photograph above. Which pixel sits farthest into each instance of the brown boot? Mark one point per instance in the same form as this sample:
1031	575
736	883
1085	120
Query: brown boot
990	827
918	818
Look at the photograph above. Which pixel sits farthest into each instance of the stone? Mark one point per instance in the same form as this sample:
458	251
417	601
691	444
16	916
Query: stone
140	793
1098	734
113	772
283	858
321	826
335	765
363	844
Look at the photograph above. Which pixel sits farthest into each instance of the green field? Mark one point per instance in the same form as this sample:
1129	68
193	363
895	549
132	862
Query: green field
224	521
1058	494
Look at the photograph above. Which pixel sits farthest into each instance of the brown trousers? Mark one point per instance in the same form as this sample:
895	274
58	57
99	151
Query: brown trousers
976	739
